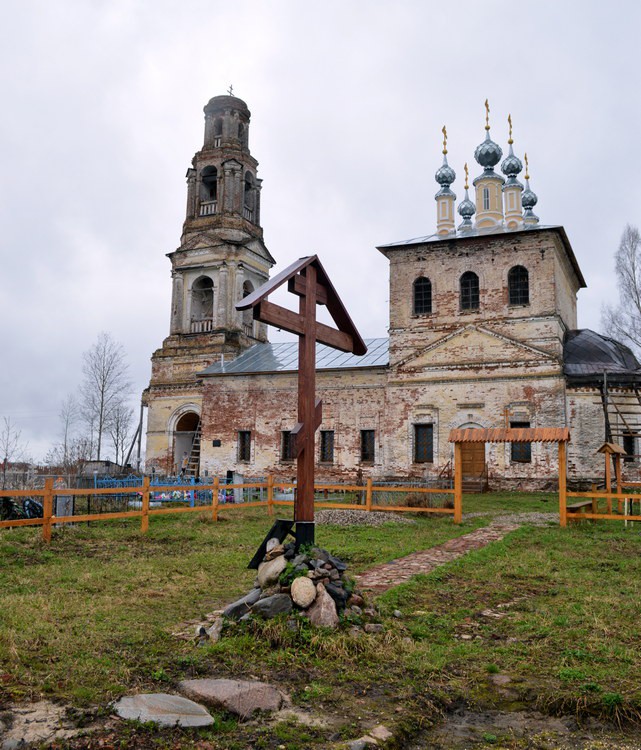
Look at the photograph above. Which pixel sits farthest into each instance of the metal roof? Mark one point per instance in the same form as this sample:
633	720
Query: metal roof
283	357
587	355
474	233
511	435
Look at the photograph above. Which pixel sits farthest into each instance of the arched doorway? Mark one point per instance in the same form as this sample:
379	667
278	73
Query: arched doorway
187	444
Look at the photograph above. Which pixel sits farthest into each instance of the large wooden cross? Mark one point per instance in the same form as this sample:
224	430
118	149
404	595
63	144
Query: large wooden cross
306	278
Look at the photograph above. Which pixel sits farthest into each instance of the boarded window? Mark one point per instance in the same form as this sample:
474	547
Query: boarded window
244	445
518	286
423	443
521	452
629	448
327	446
469	291
286	446
368	446
422	296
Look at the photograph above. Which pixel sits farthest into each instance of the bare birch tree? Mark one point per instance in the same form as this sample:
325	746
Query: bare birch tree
623	321
120	430
12	448
105	386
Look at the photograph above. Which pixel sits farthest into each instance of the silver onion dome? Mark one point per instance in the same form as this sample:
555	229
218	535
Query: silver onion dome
466	208
511	165
488	154
529	198
445	175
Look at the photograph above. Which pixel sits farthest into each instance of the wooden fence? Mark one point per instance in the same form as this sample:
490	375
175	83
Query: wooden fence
602	505
216	506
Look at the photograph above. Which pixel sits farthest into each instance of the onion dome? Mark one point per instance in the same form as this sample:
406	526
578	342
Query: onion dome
488	154
511	165
529	199
445	175
466	208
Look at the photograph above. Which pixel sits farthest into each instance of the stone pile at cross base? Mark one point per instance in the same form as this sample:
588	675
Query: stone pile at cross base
312	583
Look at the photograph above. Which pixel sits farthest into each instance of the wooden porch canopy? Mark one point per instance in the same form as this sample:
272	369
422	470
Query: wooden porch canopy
511	435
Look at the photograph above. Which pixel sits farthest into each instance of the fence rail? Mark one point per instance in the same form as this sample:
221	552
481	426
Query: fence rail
602	505
217	494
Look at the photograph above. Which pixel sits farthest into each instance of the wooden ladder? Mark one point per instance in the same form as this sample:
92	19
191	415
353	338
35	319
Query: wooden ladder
193	467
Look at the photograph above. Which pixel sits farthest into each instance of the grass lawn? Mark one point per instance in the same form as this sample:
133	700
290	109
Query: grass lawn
89	618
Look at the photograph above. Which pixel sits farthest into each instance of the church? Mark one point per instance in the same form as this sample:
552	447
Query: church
482	333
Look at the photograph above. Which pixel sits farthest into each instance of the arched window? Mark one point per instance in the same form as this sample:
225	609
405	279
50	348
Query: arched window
218	126
209	177
202	299
518	285
248	315
469	291
486	199
422	296
249	197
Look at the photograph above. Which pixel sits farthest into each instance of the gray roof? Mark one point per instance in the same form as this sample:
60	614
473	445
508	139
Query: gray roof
283	357
588	354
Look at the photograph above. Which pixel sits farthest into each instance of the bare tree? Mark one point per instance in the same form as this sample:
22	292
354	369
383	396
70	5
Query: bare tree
69	414
12	448
105	386
120	430
623	321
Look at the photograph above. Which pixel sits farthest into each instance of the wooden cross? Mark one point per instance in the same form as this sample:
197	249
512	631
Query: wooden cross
306	278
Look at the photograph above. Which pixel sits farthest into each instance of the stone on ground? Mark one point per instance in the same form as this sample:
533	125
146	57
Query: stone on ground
323	613
380	733
269	572
163	709
303	591
237	609
273	606
240	697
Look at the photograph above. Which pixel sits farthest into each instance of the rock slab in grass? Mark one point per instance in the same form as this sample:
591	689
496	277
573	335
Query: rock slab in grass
323	613
269	572
240	697
303	591
163	709
272	606
240	607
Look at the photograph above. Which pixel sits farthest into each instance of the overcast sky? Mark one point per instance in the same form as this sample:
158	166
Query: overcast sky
102	113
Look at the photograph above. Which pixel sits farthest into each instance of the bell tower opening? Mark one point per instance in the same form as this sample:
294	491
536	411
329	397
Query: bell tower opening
202	305
187	444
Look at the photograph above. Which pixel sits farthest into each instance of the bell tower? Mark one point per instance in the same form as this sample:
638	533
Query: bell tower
222	256
221	259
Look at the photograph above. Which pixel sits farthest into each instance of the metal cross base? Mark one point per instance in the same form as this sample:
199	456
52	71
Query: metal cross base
304	534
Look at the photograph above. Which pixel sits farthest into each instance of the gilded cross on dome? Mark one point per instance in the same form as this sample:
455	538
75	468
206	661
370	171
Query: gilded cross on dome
487	115
444	131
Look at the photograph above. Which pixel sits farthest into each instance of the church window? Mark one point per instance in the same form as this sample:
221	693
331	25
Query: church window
486	199
286	446
521	452
518	286
629	448
249	197
209	177
218	126
327	446
248	315
202	299
422	296
244	445
423	443
469	291
368	446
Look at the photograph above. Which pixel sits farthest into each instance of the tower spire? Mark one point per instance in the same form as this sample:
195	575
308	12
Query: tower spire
529	199
445	198
511	166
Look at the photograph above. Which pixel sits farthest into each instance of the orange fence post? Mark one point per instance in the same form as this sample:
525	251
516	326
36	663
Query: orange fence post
144	522
47	509
458	483
270	494
368	495
563	489
595	502
214	499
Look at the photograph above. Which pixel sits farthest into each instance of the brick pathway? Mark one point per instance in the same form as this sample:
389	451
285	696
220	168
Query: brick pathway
385	576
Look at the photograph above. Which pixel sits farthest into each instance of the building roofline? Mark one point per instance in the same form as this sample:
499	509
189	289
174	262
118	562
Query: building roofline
475	234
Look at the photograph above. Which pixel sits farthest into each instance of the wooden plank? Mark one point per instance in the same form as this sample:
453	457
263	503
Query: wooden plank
98	516
368	495
298	285
287	320
15	522
47	509
563	497
144	521
458	484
